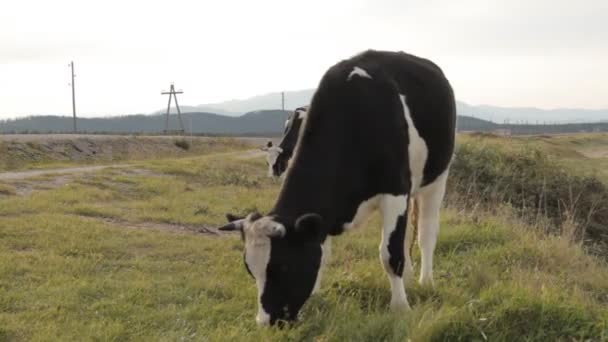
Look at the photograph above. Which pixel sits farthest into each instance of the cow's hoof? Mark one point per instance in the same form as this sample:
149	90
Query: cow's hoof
400	306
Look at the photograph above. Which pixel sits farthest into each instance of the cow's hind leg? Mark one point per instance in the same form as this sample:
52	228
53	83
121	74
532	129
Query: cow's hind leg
392	247
430	198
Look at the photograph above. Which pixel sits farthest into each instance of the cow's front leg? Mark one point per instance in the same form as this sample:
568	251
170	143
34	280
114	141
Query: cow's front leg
392	252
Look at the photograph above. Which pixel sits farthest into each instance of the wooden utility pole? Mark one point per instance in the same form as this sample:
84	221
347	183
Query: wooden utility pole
173	93
73	96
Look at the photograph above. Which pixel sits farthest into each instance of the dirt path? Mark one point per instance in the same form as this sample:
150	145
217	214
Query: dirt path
21	175
597	153
8	176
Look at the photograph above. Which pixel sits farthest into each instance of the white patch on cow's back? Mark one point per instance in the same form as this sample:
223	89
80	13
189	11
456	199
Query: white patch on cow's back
417	149
359	72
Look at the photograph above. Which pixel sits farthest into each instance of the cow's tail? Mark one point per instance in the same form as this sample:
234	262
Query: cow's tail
413	232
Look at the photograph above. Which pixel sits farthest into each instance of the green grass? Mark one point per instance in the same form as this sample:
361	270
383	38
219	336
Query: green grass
582	154
7	189
76	263
16	156
536	180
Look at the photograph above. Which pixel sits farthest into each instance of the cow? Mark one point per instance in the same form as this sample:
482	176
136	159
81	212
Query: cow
277	157
380	130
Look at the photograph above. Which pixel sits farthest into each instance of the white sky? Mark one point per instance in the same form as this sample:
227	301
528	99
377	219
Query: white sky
543	53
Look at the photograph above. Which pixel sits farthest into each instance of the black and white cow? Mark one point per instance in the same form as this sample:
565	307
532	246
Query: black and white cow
277	157
380	130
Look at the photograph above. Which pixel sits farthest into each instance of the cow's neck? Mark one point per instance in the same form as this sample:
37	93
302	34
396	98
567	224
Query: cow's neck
323	180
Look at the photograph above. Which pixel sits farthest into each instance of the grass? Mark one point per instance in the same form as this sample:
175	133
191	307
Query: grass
16	156
7	189
78	263
537	181
582	154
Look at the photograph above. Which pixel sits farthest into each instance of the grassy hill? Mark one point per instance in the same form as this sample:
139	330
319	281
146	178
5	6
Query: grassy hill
117	256
258	123
264	122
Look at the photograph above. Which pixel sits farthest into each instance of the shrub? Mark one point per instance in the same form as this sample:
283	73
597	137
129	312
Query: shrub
183	144
538	188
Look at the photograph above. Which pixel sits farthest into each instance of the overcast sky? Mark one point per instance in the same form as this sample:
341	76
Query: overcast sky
543	53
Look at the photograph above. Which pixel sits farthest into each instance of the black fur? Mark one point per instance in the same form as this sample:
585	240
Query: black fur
291	274
354	146
396	246
288	143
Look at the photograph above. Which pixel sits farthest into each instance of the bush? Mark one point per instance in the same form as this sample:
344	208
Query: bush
537	187
183	144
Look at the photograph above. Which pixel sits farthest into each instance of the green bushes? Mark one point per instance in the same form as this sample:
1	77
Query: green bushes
542	191
183	144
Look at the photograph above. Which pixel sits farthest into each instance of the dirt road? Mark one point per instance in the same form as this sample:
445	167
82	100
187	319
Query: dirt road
20	175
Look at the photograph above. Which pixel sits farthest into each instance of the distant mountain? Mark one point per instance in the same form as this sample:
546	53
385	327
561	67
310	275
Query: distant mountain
270	101
199	109
265	122
260	123
294	99
530	115
468	123
262	117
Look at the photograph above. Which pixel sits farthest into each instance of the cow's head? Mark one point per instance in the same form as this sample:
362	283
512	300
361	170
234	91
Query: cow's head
278	156
273	153
284	257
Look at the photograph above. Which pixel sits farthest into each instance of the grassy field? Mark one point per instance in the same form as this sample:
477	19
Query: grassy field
25	152
117	255
585	154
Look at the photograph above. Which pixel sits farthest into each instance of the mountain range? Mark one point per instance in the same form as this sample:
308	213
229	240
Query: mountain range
258	116
294	99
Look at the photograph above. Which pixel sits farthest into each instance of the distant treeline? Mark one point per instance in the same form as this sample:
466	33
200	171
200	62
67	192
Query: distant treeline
471	124
259	123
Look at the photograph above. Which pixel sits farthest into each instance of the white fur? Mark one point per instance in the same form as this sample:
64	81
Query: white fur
429	204
257	255
408	269
417	149
392	207
302	114
365	209
359	72
272	153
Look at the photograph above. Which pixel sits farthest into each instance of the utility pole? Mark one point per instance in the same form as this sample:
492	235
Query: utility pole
73	96
283	101
173	93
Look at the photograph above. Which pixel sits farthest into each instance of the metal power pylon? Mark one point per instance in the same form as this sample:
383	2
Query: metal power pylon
173	93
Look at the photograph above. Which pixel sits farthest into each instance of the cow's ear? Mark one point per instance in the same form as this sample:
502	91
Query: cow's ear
254	216
310	225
